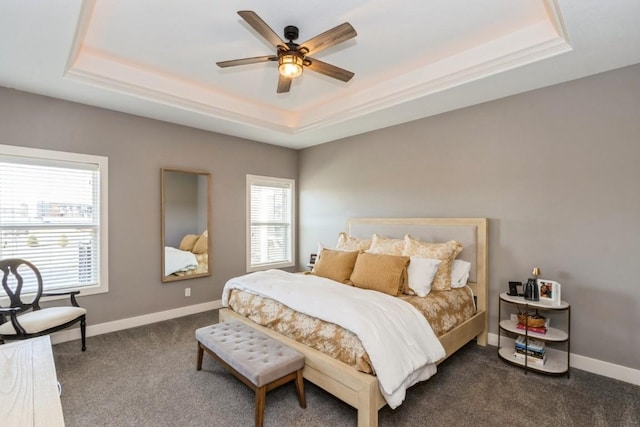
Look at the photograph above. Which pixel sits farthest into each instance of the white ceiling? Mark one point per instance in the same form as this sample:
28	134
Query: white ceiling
411	59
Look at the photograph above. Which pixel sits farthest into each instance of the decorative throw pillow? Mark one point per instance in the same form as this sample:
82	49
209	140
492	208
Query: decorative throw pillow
347	243
460	273
335	265
201	246
421	272
382	273
188	242
382	246
445	252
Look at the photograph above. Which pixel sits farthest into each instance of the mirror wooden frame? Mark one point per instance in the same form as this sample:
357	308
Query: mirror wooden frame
166	186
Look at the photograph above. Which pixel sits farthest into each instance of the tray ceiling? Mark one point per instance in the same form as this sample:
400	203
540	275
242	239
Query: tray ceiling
410	59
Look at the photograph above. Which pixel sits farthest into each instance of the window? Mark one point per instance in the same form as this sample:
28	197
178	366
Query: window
270	224
53	213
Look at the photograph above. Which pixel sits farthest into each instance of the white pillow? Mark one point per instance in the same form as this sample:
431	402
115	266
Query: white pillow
322	246
421	272
460	273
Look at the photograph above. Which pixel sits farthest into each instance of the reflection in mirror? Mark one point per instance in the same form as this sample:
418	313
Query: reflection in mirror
186	208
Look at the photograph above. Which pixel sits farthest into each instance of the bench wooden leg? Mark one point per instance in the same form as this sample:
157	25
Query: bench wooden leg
260	391
300	389
200	354
261	394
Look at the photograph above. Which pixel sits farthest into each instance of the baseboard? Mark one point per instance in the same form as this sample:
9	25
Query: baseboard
132	322
594	366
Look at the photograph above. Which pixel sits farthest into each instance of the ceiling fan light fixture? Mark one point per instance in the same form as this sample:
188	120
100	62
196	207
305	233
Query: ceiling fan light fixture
290	64
293	57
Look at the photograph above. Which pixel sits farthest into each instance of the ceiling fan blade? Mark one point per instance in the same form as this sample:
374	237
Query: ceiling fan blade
262	28
245	61
284	83
329	70
329	38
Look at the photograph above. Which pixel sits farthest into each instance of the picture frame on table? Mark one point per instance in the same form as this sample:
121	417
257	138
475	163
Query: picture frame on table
550	291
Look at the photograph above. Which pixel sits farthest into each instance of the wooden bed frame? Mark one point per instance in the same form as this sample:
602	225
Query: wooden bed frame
361	390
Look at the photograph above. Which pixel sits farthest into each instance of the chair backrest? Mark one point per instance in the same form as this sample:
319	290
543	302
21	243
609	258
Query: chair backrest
13	281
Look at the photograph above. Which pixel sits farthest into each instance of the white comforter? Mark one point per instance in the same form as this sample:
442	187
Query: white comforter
399	340
177	260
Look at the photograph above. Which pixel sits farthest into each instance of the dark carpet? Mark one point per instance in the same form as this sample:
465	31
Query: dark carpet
146	376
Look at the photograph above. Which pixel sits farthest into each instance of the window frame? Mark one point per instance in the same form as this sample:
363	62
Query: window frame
102	162
266	180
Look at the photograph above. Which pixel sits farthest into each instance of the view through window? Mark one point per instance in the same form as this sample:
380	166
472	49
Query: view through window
270	222
51	214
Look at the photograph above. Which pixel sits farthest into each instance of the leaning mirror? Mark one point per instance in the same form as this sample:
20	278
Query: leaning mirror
186	212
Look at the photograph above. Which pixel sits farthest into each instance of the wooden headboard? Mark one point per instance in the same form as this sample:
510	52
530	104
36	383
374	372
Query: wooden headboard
470	232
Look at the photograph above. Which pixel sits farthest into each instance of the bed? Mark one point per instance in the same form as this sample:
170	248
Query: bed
362	390
184	263
191	258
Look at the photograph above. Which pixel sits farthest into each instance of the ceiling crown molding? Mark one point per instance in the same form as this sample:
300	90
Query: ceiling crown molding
521	46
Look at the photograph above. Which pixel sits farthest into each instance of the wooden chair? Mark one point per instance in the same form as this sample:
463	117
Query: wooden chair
26	318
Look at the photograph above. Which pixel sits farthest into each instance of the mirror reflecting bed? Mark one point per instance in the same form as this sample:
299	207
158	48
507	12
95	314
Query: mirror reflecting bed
186	211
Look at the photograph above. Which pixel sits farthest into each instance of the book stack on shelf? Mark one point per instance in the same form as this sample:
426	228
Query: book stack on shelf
533	350
536	329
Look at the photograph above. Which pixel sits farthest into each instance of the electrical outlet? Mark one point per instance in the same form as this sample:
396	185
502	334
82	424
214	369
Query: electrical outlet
187	292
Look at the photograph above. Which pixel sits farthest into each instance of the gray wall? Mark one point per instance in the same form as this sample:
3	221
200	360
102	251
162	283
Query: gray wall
185	205
182	206
137	148
555	170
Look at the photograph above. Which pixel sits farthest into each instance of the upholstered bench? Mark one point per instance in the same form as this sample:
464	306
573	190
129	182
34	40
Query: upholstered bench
259	361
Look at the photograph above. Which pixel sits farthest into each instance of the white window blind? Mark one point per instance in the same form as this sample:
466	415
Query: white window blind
270	222
51	215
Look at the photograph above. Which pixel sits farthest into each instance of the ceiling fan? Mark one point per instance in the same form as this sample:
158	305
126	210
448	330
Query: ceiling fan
293	57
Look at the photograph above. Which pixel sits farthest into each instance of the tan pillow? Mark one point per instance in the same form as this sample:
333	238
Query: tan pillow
347	243
335	265
201	246
445	252
382	246
188	242
382	273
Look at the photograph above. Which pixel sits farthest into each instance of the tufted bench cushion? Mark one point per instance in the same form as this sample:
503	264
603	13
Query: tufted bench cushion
258	357
260	361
